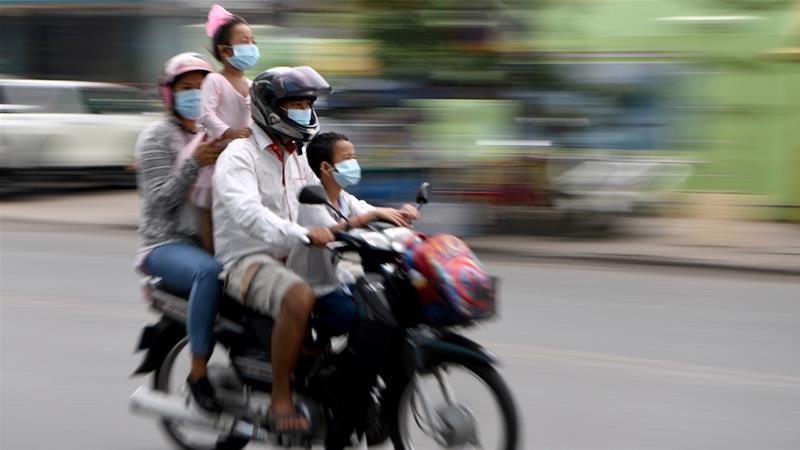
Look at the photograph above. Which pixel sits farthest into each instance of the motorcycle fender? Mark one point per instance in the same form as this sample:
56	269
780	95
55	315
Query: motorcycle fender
430	352
157	339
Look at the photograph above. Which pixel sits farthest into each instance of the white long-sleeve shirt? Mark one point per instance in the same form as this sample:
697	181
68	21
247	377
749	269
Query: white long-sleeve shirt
255	198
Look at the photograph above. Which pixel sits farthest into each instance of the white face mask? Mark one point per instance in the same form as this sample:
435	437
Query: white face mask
188	103
347	173
245	56
301	116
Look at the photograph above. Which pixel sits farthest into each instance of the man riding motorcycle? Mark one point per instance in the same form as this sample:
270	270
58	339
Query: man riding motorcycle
256	185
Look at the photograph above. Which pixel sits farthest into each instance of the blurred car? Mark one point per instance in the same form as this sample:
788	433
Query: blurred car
70	130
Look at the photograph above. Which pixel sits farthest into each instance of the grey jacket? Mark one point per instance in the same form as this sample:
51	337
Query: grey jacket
166	214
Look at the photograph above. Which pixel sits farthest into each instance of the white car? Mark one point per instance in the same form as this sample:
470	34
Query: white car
65	129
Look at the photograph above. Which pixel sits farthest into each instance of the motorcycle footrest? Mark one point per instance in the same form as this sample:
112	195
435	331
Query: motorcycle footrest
289	440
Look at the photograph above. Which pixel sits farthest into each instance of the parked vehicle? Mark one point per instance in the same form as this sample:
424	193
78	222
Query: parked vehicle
445	393
69	130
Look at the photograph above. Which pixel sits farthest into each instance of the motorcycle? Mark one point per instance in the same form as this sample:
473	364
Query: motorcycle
393	378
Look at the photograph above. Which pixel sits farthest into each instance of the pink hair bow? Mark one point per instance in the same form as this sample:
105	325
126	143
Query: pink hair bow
217	17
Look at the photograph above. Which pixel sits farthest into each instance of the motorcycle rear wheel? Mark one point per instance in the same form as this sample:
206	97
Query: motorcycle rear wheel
165	381
409	416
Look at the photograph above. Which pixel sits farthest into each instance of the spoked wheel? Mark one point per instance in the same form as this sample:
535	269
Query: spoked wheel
459	405
171	378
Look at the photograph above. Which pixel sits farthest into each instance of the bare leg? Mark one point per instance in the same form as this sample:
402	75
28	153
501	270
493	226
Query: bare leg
287	340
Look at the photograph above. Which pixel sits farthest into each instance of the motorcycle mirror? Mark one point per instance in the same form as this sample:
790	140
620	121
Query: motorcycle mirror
423	194
313	195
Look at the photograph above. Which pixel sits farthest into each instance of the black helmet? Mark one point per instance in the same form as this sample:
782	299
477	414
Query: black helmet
280	84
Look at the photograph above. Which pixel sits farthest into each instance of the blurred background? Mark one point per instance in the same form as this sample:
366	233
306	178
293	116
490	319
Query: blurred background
629	168
576	111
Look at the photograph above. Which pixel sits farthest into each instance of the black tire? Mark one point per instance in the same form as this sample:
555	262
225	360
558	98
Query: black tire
379	429
161	383
383	427
499	390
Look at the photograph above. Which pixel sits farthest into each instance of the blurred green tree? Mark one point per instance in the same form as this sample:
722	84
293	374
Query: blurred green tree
447	41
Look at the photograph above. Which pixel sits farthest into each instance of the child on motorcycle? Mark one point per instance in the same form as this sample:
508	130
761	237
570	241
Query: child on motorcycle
332	157
226	98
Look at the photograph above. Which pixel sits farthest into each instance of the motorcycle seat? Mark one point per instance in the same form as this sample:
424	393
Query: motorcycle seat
229	307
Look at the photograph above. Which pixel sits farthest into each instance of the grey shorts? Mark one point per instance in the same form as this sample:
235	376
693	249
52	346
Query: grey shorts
265	281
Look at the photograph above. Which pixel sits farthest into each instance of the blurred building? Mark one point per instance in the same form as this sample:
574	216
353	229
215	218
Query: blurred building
90	40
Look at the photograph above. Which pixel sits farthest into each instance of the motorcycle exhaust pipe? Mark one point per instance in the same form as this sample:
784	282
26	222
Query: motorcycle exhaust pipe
146	401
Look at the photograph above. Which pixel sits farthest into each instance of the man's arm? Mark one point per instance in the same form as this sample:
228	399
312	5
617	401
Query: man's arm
236	188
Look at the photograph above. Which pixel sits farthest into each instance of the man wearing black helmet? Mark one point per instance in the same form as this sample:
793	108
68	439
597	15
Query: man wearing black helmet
256	185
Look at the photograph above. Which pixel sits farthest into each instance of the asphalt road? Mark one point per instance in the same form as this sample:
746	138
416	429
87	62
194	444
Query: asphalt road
597	357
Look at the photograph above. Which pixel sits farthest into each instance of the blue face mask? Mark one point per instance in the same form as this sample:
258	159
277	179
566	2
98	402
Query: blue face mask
187	104
301	116
347	173
244	56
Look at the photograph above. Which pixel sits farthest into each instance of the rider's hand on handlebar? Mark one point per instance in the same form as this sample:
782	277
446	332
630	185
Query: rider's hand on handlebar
320	236
409	212
394	216
208	150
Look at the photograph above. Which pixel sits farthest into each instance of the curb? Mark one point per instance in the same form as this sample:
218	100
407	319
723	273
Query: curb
68	224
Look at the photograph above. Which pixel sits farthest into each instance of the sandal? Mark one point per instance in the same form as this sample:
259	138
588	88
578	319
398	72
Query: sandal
273	420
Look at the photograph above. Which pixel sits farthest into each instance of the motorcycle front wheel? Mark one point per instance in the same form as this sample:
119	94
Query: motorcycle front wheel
459	405
170	378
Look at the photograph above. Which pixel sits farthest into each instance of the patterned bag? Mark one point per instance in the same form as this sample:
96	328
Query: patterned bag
453	285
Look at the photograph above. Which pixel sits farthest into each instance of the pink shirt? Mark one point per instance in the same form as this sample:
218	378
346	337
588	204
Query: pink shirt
223	108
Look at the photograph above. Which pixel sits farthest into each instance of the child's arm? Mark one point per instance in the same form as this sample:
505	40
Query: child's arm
410	212
386	214
364	213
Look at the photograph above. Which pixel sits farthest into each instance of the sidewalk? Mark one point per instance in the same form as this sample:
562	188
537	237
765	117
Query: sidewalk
107	209
716	244
719	244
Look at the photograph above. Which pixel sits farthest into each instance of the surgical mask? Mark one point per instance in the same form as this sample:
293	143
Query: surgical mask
244	56
301	116
347	173
187	104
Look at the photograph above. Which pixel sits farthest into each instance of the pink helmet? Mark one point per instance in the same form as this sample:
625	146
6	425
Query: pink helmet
177	66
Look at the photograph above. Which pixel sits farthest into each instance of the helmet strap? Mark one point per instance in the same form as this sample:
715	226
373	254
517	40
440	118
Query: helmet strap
280	140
